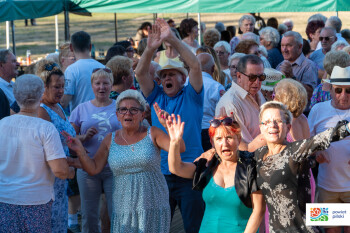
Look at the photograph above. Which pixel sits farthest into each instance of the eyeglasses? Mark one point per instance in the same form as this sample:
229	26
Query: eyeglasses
233	67
326	38
275	122
220	53
227	121
104	69
253	77
51	66
339	90
132	110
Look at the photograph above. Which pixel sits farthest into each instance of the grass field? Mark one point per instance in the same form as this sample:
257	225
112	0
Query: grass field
41	38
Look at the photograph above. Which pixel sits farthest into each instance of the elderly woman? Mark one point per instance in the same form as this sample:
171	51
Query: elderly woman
332	58
233	62
123	75
223	50
140	193
248	47
226	195
269	38
278	162
51	110
313	30
92	121
31	157
189	31
246	24
211	37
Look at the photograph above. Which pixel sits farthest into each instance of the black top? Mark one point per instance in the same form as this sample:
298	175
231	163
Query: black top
4	105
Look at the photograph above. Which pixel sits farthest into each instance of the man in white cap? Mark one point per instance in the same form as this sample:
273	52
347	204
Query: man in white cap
333	178
187	101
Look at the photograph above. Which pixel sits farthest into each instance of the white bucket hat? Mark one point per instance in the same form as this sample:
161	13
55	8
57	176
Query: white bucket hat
340	76
170	64
272	78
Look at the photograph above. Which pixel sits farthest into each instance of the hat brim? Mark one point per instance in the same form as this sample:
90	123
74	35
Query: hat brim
337	83
266	88
181	70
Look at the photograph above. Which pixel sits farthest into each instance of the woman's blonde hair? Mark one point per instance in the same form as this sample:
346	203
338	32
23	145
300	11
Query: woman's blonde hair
101	72
276	105
120	67
64	52
45	68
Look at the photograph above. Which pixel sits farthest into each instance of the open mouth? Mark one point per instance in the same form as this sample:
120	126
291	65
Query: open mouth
168	85
128	120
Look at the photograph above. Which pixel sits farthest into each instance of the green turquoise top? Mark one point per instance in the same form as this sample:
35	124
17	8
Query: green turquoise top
224	211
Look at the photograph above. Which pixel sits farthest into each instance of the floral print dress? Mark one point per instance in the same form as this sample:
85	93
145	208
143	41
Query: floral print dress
278	179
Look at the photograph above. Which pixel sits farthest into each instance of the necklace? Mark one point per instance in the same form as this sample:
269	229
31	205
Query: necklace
131	146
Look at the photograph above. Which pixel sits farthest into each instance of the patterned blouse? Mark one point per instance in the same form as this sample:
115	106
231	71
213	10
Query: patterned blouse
319	95
278	179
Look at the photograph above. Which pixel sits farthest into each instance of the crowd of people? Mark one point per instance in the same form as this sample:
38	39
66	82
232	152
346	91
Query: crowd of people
239	132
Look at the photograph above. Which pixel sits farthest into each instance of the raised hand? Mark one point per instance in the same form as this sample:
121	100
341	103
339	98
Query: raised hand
161	114
165	30
154	39
90	133
175	128
74	143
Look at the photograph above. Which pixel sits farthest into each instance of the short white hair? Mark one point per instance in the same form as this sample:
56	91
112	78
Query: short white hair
263	50
339	44
28	90
296	35
156	67
235	56
220	26
318	16
246	17
288	21
251	36
334	22
270	34
132	94
226	46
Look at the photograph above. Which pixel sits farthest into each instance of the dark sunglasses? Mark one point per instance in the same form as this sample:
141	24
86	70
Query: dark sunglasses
321	38
339	90
132	111
104	69
253	77
227	121
51	66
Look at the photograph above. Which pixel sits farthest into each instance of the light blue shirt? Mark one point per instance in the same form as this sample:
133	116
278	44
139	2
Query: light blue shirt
189	105
318	57
7	88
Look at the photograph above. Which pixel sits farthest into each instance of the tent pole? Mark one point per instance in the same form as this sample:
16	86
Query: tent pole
13	37
7	34
155	15
199	29
56	28
337	14
115	27
66	26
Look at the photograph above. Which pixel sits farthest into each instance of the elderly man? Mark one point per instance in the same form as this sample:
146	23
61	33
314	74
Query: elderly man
334	174
78	75
295	64
289	23
187	101
269	38
8	70
213	90
243	100
327	38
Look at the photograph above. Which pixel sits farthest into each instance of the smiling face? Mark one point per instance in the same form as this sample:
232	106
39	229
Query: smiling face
55	89
172	81
225	143
101	87
275	128
128	120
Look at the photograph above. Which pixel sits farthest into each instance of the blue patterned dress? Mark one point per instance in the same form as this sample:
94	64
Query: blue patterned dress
140	192
59	213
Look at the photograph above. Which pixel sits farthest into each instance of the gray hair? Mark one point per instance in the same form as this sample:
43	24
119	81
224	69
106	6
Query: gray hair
28	90
296	35
335	58
224	44
134	95
207	61
251	36
288	21
277	105
270	34
246	17
235	56
263	51
282	28
53	57
156	67
220	26
346	49
339	45
3	55
334	22
329	29
317	17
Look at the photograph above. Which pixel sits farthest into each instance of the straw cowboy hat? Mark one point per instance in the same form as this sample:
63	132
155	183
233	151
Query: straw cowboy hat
272	78
170	64
340	76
